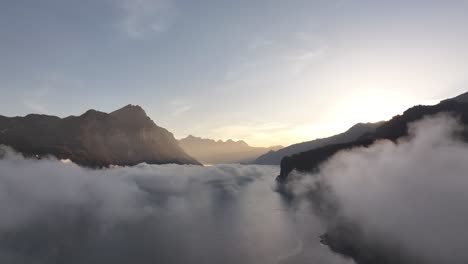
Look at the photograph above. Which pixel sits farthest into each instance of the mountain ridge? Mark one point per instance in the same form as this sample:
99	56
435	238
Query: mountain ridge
392	129
354	132
210	151
126	136
345	237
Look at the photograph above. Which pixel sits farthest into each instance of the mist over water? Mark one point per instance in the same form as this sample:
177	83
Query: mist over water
408	196
55	212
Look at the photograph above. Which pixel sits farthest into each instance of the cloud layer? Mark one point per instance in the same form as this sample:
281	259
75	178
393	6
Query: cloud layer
142	17
57	212
412	193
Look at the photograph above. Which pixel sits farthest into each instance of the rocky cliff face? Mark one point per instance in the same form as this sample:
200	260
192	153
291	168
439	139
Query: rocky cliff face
95	139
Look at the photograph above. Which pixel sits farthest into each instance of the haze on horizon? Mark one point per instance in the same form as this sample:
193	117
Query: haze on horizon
267	72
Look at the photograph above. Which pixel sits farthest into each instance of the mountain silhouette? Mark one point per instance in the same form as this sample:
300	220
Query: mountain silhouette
462	98
393	129
345	237
275	157
94	139
209	151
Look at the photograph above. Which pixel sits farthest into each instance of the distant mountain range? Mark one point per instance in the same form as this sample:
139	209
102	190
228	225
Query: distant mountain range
209	151
94	139
356	131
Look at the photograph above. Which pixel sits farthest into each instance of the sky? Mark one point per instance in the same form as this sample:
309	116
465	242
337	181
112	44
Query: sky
267	72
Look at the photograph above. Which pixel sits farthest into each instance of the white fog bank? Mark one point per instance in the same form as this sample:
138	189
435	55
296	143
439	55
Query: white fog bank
56	212
413	193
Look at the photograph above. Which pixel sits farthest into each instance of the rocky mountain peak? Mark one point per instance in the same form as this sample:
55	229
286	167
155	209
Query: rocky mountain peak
95	139
132	114
130	111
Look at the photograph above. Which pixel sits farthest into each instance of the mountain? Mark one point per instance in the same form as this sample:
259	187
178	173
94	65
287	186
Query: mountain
94	139
343	236
462	98
209	151
392	130
274	157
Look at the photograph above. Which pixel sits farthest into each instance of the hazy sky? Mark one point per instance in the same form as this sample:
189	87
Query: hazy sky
269	72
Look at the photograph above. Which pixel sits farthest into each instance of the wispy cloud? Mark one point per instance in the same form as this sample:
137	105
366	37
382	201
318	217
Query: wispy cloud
311	48
35	106
34	99
48	86
263	58
143	17
179	107
302	55
298	61
181	110
260	42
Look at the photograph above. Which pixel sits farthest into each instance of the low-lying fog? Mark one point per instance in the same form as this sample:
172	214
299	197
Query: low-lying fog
411	195
55	212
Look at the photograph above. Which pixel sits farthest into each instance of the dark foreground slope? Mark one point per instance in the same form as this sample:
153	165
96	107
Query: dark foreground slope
95	139
356	131
345	237
209	151
391	130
